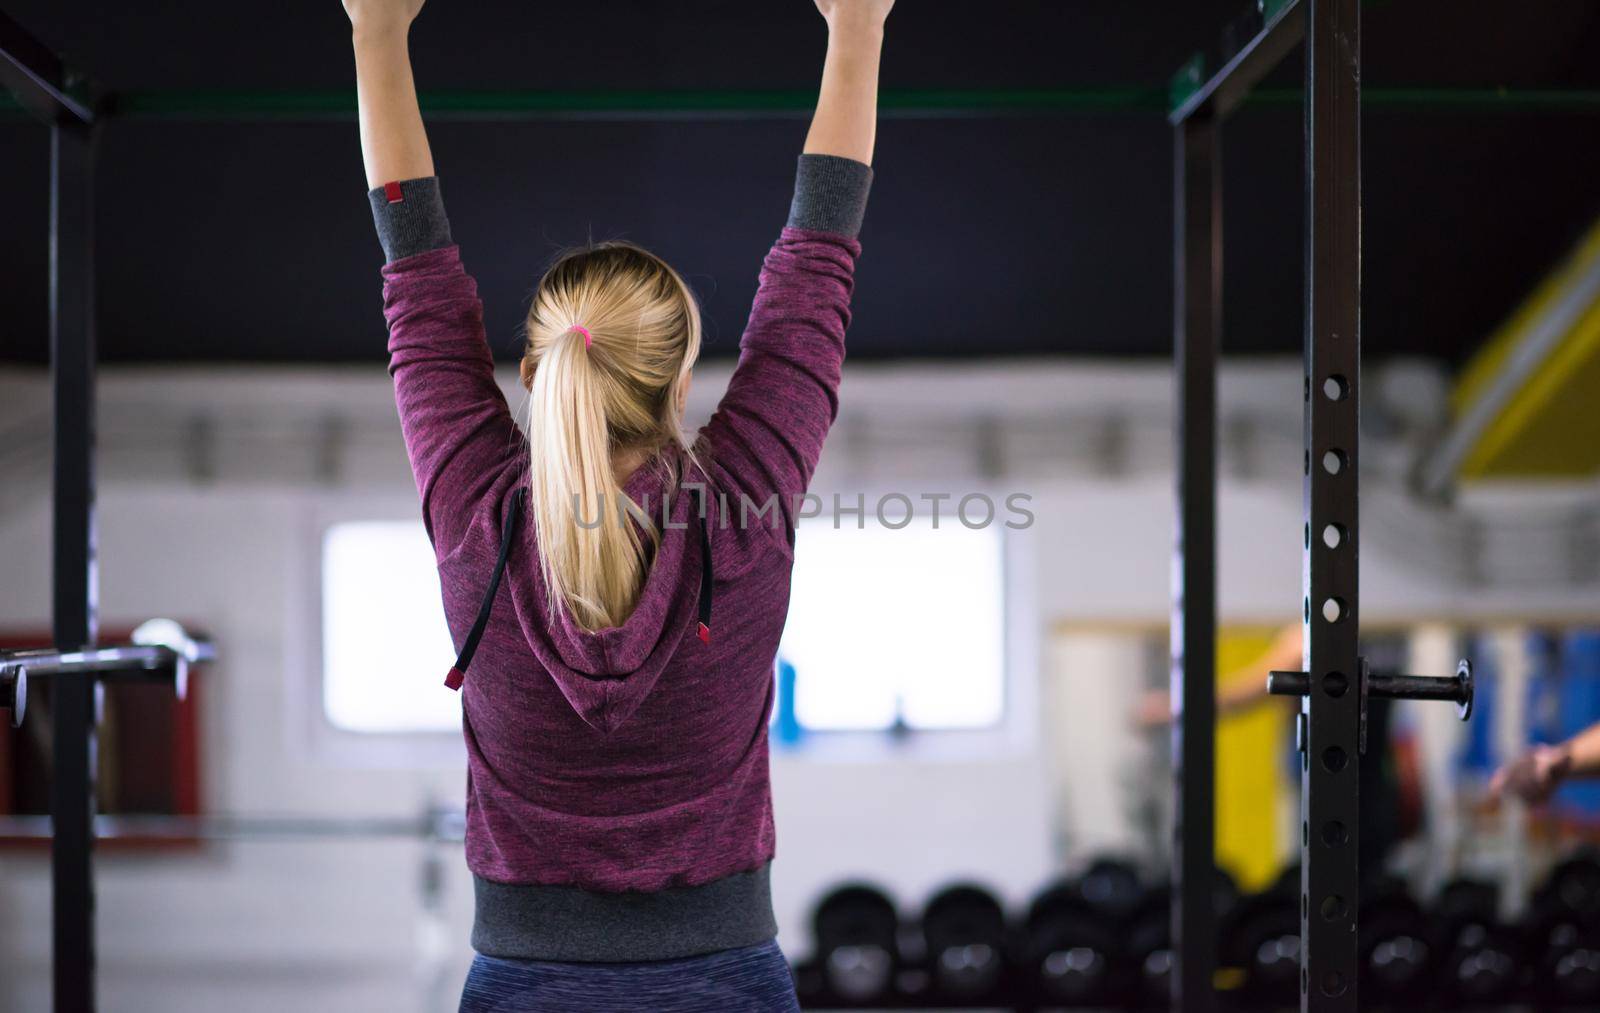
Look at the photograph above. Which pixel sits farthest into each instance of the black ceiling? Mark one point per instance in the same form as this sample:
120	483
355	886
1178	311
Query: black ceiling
1016	235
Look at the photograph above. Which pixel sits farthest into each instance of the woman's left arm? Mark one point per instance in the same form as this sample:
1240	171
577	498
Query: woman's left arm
394	143
458	430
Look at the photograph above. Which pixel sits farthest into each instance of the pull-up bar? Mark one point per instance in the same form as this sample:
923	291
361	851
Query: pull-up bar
514	106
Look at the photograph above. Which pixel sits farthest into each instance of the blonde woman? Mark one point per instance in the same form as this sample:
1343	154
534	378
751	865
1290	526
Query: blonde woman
616	590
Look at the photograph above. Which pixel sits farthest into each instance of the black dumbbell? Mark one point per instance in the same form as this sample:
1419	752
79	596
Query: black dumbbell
965	930
1148	951
1397	950
1262	937
1482	959
1068	948
856	928
1112	886
1563	929
1573	889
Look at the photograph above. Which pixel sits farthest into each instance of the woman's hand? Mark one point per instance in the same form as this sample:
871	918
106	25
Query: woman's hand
1535	775
380	15
855	13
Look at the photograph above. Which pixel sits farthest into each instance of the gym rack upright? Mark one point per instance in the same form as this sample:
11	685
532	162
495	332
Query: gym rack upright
1335	687
62	100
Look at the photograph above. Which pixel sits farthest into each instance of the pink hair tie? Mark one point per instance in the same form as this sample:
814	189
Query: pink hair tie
587	337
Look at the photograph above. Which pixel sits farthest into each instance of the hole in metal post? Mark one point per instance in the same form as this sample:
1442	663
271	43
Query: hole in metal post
1334	833
1334	610
1334	759
1335	388
1333	462
1333	907
1333	535
1333	983
1334	684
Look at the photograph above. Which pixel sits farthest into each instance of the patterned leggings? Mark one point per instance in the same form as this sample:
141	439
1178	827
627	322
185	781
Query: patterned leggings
751	979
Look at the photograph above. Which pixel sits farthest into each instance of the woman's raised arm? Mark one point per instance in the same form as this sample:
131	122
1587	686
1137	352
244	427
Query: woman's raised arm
393	141
458	430
846	121
767	432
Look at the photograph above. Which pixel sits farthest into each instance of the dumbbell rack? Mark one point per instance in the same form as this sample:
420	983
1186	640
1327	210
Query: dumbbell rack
1086	944
1331	728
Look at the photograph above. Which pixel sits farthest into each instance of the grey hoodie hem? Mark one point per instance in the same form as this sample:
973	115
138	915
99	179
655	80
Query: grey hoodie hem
567	923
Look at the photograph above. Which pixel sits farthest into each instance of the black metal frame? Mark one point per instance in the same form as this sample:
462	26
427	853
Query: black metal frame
1197	307
1330	721
75	595
50	91
1330	828
1336	684
1197	310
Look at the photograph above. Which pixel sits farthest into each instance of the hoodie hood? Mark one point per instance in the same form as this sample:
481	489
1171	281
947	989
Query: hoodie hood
605	674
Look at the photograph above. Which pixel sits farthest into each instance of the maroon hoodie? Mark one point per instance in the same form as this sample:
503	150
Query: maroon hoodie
618	801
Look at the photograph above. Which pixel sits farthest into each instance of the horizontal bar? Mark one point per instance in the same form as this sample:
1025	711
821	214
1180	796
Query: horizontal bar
626	105
526	106
1288	683
100	660
1467	99
36	76
1284	29
437	826
1457	689
1414	687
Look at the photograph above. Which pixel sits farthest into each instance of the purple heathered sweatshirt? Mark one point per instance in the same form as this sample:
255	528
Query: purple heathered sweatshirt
632	758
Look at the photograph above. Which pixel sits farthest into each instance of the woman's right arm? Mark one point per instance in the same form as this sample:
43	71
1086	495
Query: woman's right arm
1535	775
768	430
458	430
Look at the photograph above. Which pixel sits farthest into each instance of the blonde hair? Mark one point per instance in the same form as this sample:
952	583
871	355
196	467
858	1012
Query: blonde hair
612	335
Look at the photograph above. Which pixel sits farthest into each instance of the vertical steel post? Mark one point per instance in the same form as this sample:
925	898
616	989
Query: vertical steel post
72	359
1197	311
1330	833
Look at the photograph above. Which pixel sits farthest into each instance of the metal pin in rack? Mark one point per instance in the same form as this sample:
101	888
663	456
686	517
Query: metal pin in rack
1457	689
161	651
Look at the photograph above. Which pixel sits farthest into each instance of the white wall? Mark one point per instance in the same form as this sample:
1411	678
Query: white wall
211	484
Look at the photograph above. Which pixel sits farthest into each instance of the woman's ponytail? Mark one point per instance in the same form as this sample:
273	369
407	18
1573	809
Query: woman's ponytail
591	557
612	335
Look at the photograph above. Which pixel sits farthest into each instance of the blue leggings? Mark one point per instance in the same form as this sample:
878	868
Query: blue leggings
751	979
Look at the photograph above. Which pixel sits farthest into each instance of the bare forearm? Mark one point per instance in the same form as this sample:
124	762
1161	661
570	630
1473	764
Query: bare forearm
846	120
1582	753
394	143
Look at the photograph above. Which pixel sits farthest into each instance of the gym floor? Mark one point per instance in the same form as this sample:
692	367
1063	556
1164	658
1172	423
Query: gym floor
972	745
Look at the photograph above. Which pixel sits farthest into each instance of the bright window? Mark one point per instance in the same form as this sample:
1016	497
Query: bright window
882	623
906	622
385	646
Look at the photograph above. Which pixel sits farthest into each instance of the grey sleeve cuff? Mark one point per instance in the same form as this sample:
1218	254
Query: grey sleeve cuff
830	194
410	217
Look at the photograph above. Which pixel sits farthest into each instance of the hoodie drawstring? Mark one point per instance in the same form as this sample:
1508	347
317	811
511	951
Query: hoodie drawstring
508	532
